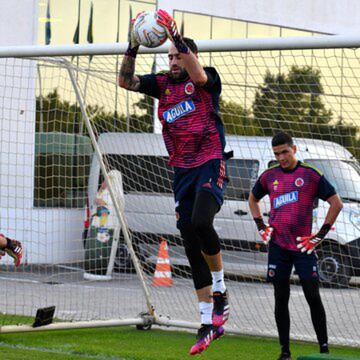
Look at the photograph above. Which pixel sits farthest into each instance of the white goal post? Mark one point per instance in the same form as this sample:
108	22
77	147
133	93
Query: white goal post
66	125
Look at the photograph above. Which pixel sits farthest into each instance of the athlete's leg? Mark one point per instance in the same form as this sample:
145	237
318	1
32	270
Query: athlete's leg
200	270
202	218
282	316
318	316
203	214
210	187
306	267
280	264
203	286
185	190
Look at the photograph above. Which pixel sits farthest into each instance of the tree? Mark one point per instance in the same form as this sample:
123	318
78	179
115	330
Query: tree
145	122
347	136
237	120
291	102
59	115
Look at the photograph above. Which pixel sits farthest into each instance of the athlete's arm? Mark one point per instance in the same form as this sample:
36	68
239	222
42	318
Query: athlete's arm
127	78
335	207
194	69
190	60
264	230
309	243
254	206
327	192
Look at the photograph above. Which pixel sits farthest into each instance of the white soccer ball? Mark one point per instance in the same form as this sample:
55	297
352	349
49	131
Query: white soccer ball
147	31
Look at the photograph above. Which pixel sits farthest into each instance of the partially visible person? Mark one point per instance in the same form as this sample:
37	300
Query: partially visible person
293	186
11	247
105	208
104	230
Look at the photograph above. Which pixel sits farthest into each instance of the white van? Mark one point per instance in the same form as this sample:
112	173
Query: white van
150	207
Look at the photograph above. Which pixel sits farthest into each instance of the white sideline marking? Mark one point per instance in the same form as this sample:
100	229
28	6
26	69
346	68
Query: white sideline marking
67	312
63	352
19	279
70	268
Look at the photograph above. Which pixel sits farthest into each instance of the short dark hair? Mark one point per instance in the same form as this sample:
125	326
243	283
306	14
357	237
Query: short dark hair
191	44
282	138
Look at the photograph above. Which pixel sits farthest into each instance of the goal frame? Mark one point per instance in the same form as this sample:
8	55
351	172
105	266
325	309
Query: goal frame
226	45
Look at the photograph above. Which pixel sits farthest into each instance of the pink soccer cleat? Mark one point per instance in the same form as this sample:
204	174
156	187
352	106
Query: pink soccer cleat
206	335
221	308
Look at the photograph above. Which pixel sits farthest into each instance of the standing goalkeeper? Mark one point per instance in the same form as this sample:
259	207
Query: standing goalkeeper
293	186
194	137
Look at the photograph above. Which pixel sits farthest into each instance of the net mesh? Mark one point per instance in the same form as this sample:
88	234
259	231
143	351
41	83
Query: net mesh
49	174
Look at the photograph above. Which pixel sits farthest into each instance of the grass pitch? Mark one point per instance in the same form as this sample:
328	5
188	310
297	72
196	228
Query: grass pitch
127	343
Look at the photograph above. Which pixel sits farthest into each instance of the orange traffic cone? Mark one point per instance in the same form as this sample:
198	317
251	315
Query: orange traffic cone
162	275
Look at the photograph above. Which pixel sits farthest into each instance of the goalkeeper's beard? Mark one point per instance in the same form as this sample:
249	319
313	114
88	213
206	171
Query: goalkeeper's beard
179	75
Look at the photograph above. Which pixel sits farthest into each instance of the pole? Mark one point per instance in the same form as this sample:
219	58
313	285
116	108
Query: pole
117	67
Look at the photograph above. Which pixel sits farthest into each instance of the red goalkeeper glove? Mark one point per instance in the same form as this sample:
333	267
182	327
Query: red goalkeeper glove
265	231
15	250
165	20
309	243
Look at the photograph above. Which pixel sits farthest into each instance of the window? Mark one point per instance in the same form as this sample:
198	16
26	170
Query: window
142	173
243	175
151	174
343	175
61	180
62	166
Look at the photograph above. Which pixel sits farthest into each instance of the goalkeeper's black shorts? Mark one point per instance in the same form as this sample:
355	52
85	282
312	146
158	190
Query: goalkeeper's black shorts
210	177
281	262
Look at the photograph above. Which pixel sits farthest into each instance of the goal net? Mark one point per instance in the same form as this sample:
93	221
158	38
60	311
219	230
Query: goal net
85	186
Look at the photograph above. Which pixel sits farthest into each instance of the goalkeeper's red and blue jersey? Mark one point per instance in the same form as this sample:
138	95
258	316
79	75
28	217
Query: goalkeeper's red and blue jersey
292	195
191	126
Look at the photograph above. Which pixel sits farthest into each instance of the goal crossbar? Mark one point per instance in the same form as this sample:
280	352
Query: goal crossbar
224	45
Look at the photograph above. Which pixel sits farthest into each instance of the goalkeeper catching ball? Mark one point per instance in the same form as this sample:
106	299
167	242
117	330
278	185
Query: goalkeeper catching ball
193	133
293	187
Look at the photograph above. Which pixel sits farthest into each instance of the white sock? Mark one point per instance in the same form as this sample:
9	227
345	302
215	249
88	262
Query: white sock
206	312
218	281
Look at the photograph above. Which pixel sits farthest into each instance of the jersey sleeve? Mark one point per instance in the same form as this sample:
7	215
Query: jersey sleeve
260	189
325	189
149	85
213	83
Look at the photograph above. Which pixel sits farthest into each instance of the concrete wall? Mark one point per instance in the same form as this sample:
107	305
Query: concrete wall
48	235
18	22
